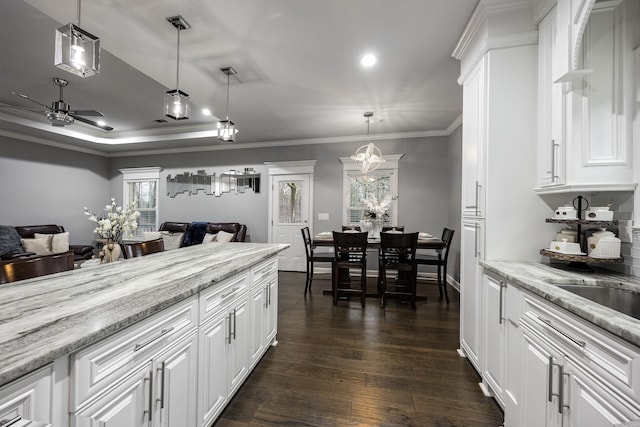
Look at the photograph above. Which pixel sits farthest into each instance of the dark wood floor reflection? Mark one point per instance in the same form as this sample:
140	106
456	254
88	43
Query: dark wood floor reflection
345	366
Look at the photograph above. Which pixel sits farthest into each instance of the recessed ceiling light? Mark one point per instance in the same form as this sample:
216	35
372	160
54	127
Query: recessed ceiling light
368	60
101	123
206	111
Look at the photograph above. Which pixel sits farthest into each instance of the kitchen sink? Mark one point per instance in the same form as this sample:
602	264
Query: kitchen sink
622	300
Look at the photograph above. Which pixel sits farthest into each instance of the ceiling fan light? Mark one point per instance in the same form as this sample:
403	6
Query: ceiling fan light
77	51
176	104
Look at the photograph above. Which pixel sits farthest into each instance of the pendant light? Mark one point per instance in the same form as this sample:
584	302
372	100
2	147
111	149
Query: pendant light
226	128
76	50
368	157
176	102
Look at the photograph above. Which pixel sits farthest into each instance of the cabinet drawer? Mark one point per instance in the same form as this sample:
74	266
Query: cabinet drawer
28	398
215	298
264	271
605	356
96	368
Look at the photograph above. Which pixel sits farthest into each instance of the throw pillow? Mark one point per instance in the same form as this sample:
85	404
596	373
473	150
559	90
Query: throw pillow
223	236
9	241
40	246
151	235
59	241
171	240
209	237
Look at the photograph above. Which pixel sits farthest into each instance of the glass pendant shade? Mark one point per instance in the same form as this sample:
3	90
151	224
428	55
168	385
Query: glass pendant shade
176	104
226	131
77	51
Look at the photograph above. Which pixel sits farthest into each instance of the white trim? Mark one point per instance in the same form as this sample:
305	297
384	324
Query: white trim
291	168
390	162
151	173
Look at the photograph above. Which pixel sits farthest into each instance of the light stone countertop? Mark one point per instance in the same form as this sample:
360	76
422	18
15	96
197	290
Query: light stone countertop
541	279
48	317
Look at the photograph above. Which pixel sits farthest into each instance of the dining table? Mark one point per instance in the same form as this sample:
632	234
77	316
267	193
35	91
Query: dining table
425	241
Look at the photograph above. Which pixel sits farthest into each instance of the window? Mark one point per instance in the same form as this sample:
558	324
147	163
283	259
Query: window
380	183
142	186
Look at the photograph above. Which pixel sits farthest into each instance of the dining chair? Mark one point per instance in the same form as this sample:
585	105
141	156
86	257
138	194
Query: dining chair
350	254
132	250
440	260
398	270
312	257
399	228
27	268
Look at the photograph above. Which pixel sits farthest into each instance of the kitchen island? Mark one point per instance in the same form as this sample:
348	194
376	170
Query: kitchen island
51	320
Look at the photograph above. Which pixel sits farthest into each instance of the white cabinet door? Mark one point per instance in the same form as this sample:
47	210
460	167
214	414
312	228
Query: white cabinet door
176	385
540	373
239	347
551	106
470	292
126	405
473	142
587	403
271	321
494	335
212	372
258	300
29	397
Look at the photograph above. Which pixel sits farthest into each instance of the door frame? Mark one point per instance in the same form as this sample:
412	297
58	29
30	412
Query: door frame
290	168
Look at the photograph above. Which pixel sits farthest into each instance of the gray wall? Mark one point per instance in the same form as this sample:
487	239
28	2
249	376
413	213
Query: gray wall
423	182
43	184
48	185
455	201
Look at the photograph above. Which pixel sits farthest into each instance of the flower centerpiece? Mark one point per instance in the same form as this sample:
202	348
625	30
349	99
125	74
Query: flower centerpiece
375	214
113	225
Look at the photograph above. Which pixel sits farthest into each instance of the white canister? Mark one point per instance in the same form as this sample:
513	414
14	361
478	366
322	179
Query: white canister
592	240
601	213
566	212
567	233
608	246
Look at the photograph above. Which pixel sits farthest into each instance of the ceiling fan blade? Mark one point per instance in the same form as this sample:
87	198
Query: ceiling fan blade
25	97
86	113
90	122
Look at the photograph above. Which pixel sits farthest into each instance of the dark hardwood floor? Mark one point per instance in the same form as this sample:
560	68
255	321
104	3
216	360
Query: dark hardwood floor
345	366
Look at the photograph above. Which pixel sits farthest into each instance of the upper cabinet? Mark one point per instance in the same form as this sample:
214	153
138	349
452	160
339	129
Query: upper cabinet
585	99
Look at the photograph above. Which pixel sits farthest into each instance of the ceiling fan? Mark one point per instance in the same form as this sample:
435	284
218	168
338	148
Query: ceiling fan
60	113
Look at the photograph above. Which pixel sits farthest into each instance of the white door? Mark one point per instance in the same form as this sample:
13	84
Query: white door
290	196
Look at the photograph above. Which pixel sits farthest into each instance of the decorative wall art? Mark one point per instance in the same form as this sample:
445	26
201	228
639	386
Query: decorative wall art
233	181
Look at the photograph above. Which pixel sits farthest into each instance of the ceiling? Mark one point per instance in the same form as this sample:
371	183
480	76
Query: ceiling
298	79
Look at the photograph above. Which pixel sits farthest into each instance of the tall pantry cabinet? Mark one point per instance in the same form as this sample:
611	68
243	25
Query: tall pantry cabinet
502	219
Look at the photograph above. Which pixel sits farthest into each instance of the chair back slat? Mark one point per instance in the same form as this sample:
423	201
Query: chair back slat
350	247
137	249
27	268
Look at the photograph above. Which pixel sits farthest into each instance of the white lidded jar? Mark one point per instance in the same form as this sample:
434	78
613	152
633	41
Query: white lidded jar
603	244
567	233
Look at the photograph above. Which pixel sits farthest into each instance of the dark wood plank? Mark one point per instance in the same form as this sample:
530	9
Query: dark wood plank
348	366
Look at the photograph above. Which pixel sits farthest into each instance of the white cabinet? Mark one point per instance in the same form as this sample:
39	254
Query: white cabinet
128	404
225	339
29	398
493	334
473	136
264	309
585	109
471	291
145	375
572	374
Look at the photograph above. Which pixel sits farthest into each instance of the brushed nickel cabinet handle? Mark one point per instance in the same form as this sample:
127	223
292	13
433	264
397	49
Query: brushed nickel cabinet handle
501	306
161	369
150	410
146	343
233	291
563	333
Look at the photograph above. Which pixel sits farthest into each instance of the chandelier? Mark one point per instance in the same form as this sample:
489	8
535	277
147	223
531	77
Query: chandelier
368	157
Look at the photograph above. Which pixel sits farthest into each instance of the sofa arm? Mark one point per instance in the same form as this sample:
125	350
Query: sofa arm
81	252
18	255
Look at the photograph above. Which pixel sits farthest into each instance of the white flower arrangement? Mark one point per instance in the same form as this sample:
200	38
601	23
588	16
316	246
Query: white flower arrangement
115	222
376	209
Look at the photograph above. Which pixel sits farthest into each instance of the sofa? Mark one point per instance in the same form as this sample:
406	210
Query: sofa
80	252
193	233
